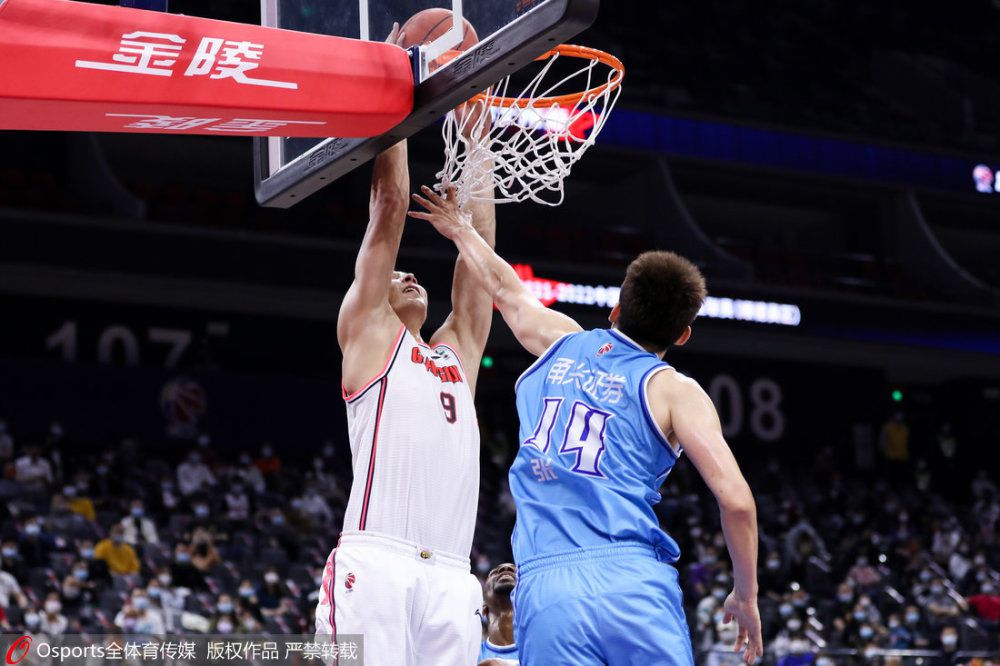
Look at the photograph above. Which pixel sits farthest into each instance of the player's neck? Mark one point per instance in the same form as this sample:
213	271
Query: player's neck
501	629
656	352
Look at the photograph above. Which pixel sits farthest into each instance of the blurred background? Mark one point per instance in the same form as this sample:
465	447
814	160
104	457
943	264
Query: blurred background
171	429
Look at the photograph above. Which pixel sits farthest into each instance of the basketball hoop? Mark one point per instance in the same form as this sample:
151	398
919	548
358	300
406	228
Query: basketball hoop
523	146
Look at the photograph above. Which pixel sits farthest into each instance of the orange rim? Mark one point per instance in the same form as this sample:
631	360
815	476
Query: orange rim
568	50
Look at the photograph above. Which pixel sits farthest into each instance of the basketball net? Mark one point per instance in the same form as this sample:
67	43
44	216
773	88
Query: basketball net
502	147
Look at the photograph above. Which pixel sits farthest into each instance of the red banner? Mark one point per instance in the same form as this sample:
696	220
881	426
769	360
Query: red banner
84	67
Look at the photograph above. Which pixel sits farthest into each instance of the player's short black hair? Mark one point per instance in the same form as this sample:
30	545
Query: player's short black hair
661	295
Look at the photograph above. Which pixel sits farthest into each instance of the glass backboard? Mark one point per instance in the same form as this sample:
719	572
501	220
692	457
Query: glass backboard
505	36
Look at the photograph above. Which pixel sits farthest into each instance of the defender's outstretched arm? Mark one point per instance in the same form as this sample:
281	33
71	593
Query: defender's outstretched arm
685	412
535	326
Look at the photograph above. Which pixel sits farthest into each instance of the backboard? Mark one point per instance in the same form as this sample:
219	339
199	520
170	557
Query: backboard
511	34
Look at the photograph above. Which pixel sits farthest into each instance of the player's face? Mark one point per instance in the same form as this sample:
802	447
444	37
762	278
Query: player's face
405	293
499	584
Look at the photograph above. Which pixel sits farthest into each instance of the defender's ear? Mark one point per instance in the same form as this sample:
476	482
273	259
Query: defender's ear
615	313
685	336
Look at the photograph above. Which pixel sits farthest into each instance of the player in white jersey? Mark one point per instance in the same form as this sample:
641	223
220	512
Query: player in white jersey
400	573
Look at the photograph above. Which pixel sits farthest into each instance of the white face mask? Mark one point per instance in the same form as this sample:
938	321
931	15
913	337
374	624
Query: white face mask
52	606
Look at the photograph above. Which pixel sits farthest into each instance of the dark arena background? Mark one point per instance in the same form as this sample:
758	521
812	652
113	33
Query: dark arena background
169	362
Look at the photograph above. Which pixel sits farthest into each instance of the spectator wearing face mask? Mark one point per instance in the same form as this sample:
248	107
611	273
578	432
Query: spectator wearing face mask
169	599
863	576
987	602
77	588
313	506
78	503
723	638
247	595
193	475
948	643
36	544
773	575
914	622
237	504
898	636
224	625
97	570
51	621
137	528
119	556
183	572
271	591
10	560
939	605
267	462
791	641
137	617
705	610
33	622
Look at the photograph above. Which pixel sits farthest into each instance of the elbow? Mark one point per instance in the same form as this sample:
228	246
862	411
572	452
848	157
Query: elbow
739	503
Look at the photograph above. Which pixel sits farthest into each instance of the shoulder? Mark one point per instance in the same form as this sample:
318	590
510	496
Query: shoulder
667	381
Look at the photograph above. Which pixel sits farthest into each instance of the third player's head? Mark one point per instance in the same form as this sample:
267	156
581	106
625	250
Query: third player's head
408	299
660	297
496	593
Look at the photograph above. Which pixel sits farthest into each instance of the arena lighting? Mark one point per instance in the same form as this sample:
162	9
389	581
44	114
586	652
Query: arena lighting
715	307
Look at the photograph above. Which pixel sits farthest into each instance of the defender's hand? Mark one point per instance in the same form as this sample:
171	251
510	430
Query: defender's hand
748	620
442	212
396	36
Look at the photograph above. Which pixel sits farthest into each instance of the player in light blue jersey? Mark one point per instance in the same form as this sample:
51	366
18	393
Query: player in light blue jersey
603	421
498	647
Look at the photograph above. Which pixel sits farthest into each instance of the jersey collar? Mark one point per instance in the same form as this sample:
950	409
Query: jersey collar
624	338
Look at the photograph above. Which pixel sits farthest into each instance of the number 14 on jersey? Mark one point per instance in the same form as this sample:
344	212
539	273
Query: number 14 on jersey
582	436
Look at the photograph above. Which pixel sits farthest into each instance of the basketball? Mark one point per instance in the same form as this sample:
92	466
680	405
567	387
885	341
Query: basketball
426	26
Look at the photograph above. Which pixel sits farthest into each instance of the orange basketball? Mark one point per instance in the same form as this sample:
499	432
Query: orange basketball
426	26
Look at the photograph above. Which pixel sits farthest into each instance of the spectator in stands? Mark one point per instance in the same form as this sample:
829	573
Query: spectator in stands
119	556
168	599
35	543
52	622
773	575
248	473
947	447
193	475
248	622
62	520
237	503
987	602
77	588
894	443
948	644
983	486
939	604
148	619
11	589
79	503
6	444
315	507
168	499
97	570
10	559
946	539
960	561
914	622
204	554
137	528
267	462
270	593
863	576
33	470
899	636
224	624
183	572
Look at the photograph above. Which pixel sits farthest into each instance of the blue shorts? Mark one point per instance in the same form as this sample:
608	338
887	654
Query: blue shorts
612	605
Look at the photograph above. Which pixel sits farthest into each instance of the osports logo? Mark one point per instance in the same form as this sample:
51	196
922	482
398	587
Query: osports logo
20	648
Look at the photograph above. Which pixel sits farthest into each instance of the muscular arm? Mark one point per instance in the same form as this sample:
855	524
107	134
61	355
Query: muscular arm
535	326
367	324
683	410
468	326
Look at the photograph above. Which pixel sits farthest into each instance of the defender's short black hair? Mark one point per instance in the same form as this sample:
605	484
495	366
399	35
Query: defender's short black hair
661	295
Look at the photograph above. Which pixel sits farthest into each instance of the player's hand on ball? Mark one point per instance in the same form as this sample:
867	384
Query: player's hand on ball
442	211
747	618
396	36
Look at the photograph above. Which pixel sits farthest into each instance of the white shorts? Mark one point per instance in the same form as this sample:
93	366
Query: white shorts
412	605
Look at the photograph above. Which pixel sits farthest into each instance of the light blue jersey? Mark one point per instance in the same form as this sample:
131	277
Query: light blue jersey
591	459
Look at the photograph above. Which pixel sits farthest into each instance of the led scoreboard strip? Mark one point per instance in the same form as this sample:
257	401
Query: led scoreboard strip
715	307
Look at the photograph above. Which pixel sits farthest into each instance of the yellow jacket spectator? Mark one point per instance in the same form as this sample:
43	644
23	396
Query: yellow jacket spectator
79	505
120	556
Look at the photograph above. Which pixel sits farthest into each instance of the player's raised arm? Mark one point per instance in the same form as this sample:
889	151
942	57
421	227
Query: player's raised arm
535	326
683	409
468	326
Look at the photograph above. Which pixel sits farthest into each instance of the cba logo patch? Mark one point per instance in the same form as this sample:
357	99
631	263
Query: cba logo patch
19	650
349	580
605	348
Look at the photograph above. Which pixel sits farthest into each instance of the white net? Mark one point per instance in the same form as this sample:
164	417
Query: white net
506	146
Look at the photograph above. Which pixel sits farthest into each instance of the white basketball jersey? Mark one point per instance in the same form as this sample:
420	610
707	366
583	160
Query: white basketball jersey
415	446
